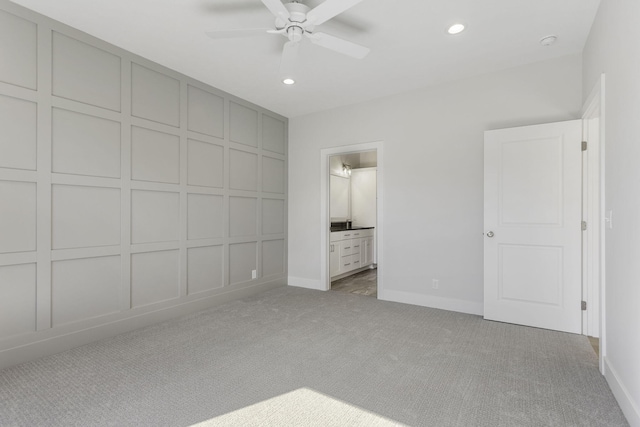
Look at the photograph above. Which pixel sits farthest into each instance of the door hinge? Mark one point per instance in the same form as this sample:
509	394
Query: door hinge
584	225
583	306
584	145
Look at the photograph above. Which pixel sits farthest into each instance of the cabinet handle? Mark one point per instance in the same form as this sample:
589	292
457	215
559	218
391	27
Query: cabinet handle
347	264
356	234
347	247
347	235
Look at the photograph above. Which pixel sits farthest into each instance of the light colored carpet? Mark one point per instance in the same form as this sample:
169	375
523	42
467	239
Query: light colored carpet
299	357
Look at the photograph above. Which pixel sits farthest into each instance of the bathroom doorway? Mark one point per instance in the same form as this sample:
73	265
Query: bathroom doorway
351	219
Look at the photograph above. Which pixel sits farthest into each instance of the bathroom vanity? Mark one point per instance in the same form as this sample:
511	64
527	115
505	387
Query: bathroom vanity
350	251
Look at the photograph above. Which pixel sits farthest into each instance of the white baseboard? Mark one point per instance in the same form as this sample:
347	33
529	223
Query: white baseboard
450	304
301	282
625	400
52	344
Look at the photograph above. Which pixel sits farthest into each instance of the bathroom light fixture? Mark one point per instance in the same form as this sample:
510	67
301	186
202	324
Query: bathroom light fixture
455	29
288	81
346	169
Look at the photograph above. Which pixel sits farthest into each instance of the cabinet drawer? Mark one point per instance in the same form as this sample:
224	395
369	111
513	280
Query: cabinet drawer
346	247
355	261
365	233
347	234
345	263
356	246
341	235
355	234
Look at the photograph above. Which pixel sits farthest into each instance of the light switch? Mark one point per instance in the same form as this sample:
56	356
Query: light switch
608	219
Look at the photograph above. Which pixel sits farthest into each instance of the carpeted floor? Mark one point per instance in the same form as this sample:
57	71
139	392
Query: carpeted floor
299	357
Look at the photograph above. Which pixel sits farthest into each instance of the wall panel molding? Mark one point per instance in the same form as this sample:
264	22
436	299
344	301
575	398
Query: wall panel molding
85	73
18	121
84	144
137	192
18	37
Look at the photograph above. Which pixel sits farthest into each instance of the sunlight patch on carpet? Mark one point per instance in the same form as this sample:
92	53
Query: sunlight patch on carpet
301	407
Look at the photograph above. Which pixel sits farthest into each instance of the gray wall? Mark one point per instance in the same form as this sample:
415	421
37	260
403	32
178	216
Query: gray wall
432	181
130	193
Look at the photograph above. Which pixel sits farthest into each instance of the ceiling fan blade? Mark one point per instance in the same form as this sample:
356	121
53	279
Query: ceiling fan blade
289	59
277	8
339	45
328	9
239	33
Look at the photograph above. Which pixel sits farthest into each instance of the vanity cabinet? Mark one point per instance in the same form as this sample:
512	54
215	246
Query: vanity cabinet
350	250
367	251
334	258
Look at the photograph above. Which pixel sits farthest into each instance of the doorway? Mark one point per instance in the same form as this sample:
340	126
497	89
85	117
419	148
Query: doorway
352	212
598	219
356	241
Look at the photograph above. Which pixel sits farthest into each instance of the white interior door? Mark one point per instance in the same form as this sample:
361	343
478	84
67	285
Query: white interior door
533	223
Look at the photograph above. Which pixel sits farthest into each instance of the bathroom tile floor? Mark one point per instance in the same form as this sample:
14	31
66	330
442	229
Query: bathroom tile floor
363	283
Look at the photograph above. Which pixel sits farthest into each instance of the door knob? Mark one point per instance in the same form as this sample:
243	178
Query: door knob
490	234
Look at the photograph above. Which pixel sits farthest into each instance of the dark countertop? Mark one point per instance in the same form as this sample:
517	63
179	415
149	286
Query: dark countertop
333	229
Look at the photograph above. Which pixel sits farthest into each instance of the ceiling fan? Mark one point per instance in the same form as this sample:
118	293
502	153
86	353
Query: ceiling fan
296	21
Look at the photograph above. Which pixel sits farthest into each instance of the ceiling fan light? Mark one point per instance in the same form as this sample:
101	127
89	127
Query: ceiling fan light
288	81
455	29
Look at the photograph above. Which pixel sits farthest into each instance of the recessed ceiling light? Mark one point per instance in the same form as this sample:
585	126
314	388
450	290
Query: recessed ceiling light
455	29
288	81
548	40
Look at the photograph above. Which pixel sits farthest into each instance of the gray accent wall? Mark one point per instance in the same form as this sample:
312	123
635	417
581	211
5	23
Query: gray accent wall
129	193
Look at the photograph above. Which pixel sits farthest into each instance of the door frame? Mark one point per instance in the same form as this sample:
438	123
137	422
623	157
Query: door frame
325	218
593	247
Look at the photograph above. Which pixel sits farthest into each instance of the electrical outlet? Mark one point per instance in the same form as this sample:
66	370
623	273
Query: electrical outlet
435	283
254	274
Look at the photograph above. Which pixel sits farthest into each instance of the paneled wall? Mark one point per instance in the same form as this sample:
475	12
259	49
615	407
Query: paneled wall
126	190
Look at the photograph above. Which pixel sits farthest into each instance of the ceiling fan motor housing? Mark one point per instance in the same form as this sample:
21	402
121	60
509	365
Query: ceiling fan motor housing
296	25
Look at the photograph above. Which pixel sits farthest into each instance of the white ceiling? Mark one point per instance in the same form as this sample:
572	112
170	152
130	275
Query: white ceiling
409	46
